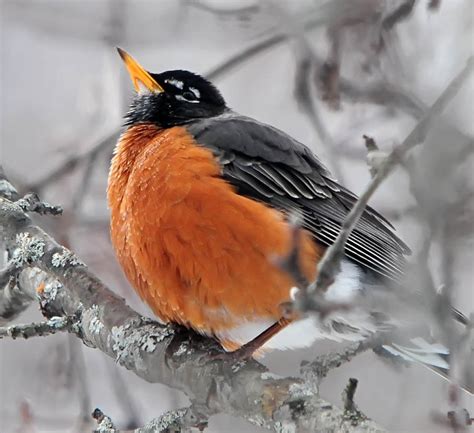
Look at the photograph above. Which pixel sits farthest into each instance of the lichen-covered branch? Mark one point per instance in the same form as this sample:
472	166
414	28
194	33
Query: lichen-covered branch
173	421
157	353
40	329
323	364
31	203
351	411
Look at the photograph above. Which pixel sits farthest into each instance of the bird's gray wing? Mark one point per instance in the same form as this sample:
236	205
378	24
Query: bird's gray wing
268	165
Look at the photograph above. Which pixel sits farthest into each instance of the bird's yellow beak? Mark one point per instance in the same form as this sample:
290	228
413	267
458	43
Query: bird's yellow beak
139	76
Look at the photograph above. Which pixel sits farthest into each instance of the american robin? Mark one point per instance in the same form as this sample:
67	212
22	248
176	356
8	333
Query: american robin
200	198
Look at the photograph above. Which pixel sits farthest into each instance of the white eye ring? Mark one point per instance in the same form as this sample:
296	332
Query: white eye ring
196	92
182	98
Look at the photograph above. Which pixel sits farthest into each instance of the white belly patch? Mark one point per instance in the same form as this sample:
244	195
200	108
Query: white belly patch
340	326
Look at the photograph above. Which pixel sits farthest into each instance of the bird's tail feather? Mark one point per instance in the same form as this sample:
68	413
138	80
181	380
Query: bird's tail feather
434	356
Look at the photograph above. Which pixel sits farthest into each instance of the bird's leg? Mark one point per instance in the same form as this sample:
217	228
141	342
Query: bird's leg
248	349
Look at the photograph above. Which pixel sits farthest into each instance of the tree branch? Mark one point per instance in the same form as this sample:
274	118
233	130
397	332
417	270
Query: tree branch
173	421
323	364
70	164
157	353
329	265
51	326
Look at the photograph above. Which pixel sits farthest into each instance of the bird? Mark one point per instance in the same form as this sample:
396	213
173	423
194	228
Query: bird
201	202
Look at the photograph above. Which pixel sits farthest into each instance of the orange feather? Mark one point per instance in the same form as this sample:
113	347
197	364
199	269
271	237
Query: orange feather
196	251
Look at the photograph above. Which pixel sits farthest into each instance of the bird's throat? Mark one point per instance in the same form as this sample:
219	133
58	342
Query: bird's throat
130	145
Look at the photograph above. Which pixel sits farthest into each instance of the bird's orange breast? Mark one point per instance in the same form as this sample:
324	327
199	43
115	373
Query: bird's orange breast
196	251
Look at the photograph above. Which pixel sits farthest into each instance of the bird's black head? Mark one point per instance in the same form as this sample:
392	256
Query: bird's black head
170	98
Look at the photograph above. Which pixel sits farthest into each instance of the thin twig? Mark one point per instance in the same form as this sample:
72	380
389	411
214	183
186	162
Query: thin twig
38	329
67	166
303	91
104	423
329	265
351	411
32	203
224	12
402	12
323	364
173	421
348	396
375	157
307	104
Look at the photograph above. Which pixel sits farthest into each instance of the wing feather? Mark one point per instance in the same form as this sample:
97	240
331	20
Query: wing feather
268	165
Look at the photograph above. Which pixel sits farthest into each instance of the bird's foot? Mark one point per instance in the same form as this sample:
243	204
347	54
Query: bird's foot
241	354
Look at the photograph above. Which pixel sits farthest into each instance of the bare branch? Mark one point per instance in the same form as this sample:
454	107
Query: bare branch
374	157
402	12
173	421
41	329
325	13
307	104
303	90
32	203
73	162
380	93
329	265
323	364
351	411
165	354
104	423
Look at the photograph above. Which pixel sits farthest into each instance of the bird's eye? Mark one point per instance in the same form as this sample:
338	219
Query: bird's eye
190	96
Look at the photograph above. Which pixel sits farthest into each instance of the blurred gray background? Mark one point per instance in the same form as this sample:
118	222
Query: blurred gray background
64	90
